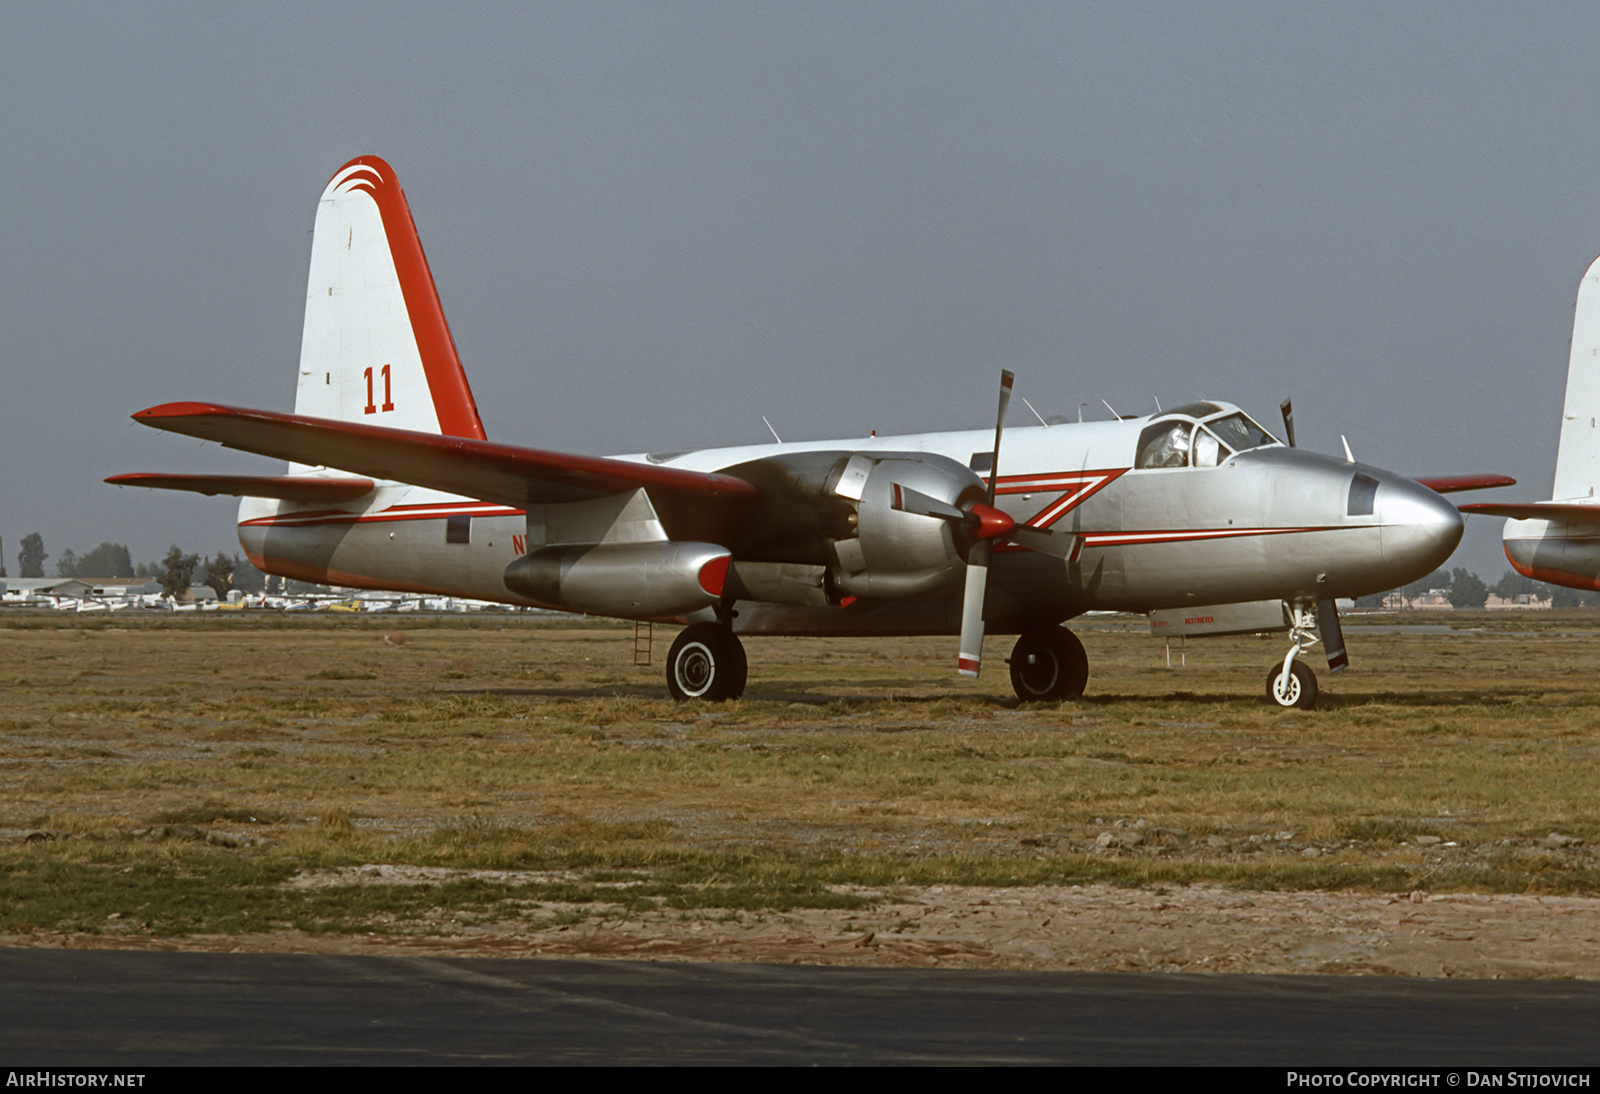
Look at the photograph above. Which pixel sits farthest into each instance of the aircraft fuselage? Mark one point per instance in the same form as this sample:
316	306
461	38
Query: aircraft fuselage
1267	522
1556	552
392	483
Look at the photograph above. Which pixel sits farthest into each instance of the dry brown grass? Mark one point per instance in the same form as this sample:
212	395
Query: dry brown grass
508	741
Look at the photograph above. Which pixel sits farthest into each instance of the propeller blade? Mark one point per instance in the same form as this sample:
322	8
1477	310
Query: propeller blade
1287	406
985	521
907	500
991	525
970	657
1007	377
1063	545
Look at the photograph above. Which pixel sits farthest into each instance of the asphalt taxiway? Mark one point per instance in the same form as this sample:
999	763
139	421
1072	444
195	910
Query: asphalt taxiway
130	1009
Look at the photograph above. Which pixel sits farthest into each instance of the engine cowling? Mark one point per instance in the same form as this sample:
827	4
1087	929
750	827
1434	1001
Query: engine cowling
901	550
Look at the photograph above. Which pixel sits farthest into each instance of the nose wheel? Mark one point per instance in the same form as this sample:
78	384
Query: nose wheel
1293	685
706	662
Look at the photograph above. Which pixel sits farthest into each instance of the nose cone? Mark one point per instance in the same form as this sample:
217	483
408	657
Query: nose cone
1420	529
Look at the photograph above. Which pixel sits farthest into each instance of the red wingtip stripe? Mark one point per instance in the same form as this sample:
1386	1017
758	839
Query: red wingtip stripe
175	410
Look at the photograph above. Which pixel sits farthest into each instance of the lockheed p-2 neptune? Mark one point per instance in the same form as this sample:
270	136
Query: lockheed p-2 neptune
1193	513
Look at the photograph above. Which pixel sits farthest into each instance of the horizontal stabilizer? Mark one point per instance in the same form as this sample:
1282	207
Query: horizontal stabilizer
301	488
499	473
1449	484
1564	512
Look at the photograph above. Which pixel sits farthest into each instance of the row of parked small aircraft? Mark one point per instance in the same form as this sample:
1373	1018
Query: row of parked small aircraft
1195	515
311	602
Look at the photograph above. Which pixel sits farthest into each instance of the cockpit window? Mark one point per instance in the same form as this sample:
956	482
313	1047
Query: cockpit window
1183	443
1208	451
1363	489
1164	444
1240	433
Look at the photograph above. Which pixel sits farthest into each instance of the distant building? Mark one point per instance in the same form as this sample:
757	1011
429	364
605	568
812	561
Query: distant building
1439	600
1527	600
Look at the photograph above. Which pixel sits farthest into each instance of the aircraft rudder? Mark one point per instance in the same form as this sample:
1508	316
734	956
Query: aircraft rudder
1578	456
376	347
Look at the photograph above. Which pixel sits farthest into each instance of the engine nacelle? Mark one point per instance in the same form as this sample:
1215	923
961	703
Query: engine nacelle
901	551
630	580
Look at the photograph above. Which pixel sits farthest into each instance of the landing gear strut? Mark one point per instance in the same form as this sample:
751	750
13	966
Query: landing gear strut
1048	664
706	662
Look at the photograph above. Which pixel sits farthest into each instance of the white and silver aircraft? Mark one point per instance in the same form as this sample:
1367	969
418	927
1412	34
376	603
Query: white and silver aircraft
1558	541
393	485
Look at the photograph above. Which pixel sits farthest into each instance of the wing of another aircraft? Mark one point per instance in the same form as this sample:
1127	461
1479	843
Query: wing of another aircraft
1449	484
1562	512
499	473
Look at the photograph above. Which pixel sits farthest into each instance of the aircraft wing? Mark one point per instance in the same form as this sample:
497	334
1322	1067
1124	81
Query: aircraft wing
1565	512
499	473
1447	484
302	488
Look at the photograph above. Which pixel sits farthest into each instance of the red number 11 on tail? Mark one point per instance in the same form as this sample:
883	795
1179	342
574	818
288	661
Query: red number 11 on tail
388	398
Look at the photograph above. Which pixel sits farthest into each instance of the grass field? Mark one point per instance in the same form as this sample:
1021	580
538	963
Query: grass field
200	774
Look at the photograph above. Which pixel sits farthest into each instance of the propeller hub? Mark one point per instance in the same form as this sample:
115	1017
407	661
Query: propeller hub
992	523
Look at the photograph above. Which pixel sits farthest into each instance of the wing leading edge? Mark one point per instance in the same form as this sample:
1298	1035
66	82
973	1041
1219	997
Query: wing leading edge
503	474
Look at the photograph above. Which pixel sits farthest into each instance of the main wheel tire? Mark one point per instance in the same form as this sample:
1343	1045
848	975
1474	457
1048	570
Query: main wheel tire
1048	665
738	668
1298	690
706	662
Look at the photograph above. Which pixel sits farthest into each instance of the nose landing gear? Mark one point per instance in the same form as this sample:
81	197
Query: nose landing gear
1292	684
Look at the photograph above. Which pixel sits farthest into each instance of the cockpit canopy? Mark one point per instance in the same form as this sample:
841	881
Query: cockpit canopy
1198	435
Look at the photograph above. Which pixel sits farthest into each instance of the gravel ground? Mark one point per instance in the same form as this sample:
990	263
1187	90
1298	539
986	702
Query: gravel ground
1186	929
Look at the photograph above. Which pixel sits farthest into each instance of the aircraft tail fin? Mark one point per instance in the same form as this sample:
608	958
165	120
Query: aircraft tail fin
376	348
1578	458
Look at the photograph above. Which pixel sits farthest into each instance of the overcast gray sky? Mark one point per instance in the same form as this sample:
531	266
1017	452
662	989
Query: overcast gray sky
653	223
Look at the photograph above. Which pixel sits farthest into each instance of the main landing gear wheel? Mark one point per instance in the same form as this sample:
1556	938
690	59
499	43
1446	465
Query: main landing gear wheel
1297	688
1048	665
706	662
